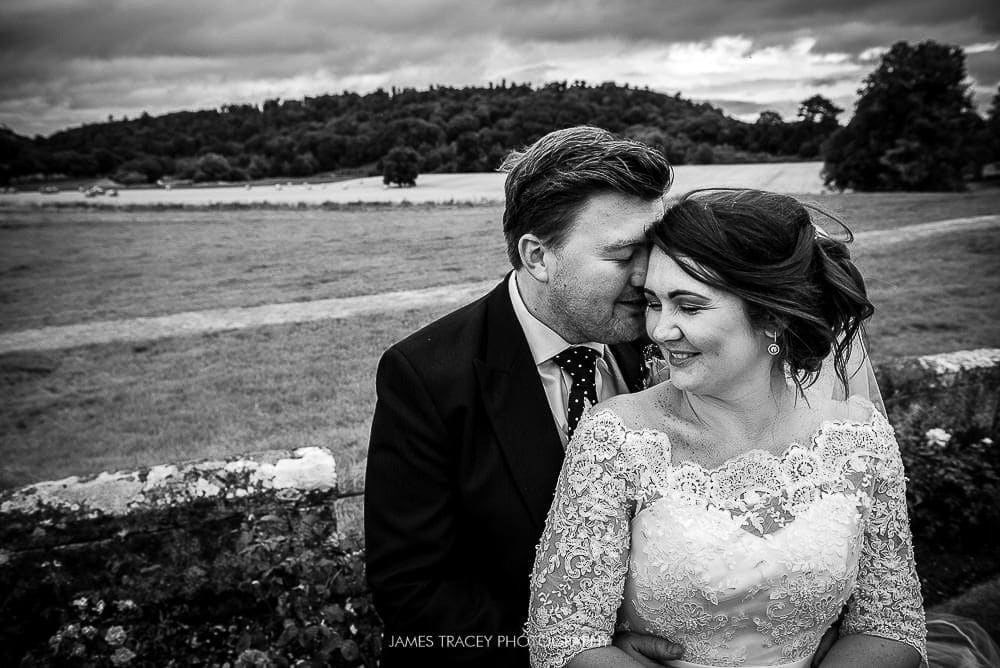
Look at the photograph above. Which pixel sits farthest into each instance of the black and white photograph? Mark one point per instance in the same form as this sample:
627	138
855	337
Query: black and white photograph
490	334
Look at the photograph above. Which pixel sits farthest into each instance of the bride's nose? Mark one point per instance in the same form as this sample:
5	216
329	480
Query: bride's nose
664	330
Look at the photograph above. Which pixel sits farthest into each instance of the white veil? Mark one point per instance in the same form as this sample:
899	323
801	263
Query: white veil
860	378
959	642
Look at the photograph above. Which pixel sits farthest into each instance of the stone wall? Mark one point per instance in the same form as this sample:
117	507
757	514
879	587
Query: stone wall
966	381
945	411
258	561
209	562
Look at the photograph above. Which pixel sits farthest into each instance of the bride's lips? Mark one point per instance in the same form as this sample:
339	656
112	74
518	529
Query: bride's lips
680	357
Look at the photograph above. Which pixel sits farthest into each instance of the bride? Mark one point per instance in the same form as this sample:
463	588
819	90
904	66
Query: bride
731	510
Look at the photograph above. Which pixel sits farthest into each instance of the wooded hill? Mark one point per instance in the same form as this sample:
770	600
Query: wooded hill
452	129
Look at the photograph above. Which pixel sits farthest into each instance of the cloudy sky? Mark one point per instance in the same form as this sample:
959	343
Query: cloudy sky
68	62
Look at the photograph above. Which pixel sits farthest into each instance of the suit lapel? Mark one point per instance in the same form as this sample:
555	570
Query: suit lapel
518	410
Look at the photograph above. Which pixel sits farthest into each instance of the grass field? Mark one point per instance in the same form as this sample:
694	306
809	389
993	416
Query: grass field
935	294
122	406
61	267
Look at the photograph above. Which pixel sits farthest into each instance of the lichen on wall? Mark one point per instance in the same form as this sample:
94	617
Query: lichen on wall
116	494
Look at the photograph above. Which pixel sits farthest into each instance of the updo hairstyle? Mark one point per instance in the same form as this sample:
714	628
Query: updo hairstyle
794	278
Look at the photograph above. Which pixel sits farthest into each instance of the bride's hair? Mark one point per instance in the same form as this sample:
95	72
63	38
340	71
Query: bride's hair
795	278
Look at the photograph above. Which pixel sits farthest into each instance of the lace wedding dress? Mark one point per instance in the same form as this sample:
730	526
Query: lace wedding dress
746	564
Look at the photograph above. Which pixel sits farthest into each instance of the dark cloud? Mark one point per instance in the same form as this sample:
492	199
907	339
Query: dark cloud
825	82
65	55
850	26
109	28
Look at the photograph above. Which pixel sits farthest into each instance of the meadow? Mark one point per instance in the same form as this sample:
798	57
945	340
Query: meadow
65	266
132	404
481	187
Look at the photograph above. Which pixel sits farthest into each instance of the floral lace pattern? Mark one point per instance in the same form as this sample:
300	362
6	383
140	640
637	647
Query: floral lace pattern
746	563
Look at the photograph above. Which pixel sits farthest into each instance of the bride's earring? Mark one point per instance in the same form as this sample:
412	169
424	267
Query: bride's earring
773	348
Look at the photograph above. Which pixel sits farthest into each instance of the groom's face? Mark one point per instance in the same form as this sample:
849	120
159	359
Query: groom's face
596	277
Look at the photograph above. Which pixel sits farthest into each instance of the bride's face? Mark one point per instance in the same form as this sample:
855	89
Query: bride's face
703	332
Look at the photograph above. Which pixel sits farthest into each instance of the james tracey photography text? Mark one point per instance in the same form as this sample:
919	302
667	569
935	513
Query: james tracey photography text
455	641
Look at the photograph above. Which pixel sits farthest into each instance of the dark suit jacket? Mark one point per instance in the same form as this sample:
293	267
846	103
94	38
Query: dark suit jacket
462	464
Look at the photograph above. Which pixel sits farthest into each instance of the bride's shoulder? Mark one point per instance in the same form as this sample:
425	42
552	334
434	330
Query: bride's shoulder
652	408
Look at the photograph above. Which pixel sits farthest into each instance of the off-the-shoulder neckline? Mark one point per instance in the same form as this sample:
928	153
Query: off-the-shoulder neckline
871	422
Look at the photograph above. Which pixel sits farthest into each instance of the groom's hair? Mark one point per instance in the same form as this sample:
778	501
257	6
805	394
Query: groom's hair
549	182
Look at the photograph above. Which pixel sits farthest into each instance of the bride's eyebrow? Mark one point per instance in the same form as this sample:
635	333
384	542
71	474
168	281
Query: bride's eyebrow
674	294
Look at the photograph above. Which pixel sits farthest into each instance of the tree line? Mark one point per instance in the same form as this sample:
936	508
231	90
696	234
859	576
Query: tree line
914	127
452	130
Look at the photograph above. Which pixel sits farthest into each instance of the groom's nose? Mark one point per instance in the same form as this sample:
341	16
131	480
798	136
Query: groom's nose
639	265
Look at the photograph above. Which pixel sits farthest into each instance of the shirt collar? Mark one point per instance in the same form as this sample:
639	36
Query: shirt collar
543	341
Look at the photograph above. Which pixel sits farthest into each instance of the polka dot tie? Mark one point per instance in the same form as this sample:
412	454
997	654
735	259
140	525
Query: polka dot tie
580	363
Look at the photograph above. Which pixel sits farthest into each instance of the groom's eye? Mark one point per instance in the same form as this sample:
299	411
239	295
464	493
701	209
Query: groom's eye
622	254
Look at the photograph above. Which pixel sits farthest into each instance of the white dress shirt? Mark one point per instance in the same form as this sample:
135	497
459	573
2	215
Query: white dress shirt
546	344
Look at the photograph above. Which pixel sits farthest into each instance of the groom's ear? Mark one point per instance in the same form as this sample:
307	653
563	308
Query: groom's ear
534	255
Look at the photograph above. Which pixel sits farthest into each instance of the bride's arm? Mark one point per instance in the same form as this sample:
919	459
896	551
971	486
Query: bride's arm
884	624
605	657
864	650
580	565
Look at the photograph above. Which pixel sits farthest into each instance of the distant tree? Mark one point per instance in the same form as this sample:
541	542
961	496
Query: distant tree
105	160
329	149
128	177
72	163
817	121
706	126
819	111
440	159
401	165
258	167
212	167
17	156
469	153
182	144
650	136
700	154
149	166
304	164
910	129
767	132
460	123
412	132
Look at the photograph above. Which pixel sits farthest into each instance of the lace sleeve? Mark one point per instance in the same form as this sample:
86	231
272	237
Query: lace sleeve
580	565
886	601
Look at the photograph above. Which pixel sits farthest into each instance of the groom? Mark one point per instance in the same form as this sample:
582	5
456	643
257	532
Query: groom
474	410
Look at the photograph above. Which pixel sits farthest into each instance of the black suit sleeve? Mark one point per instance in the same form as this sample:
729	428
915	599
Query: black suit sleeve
411	518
